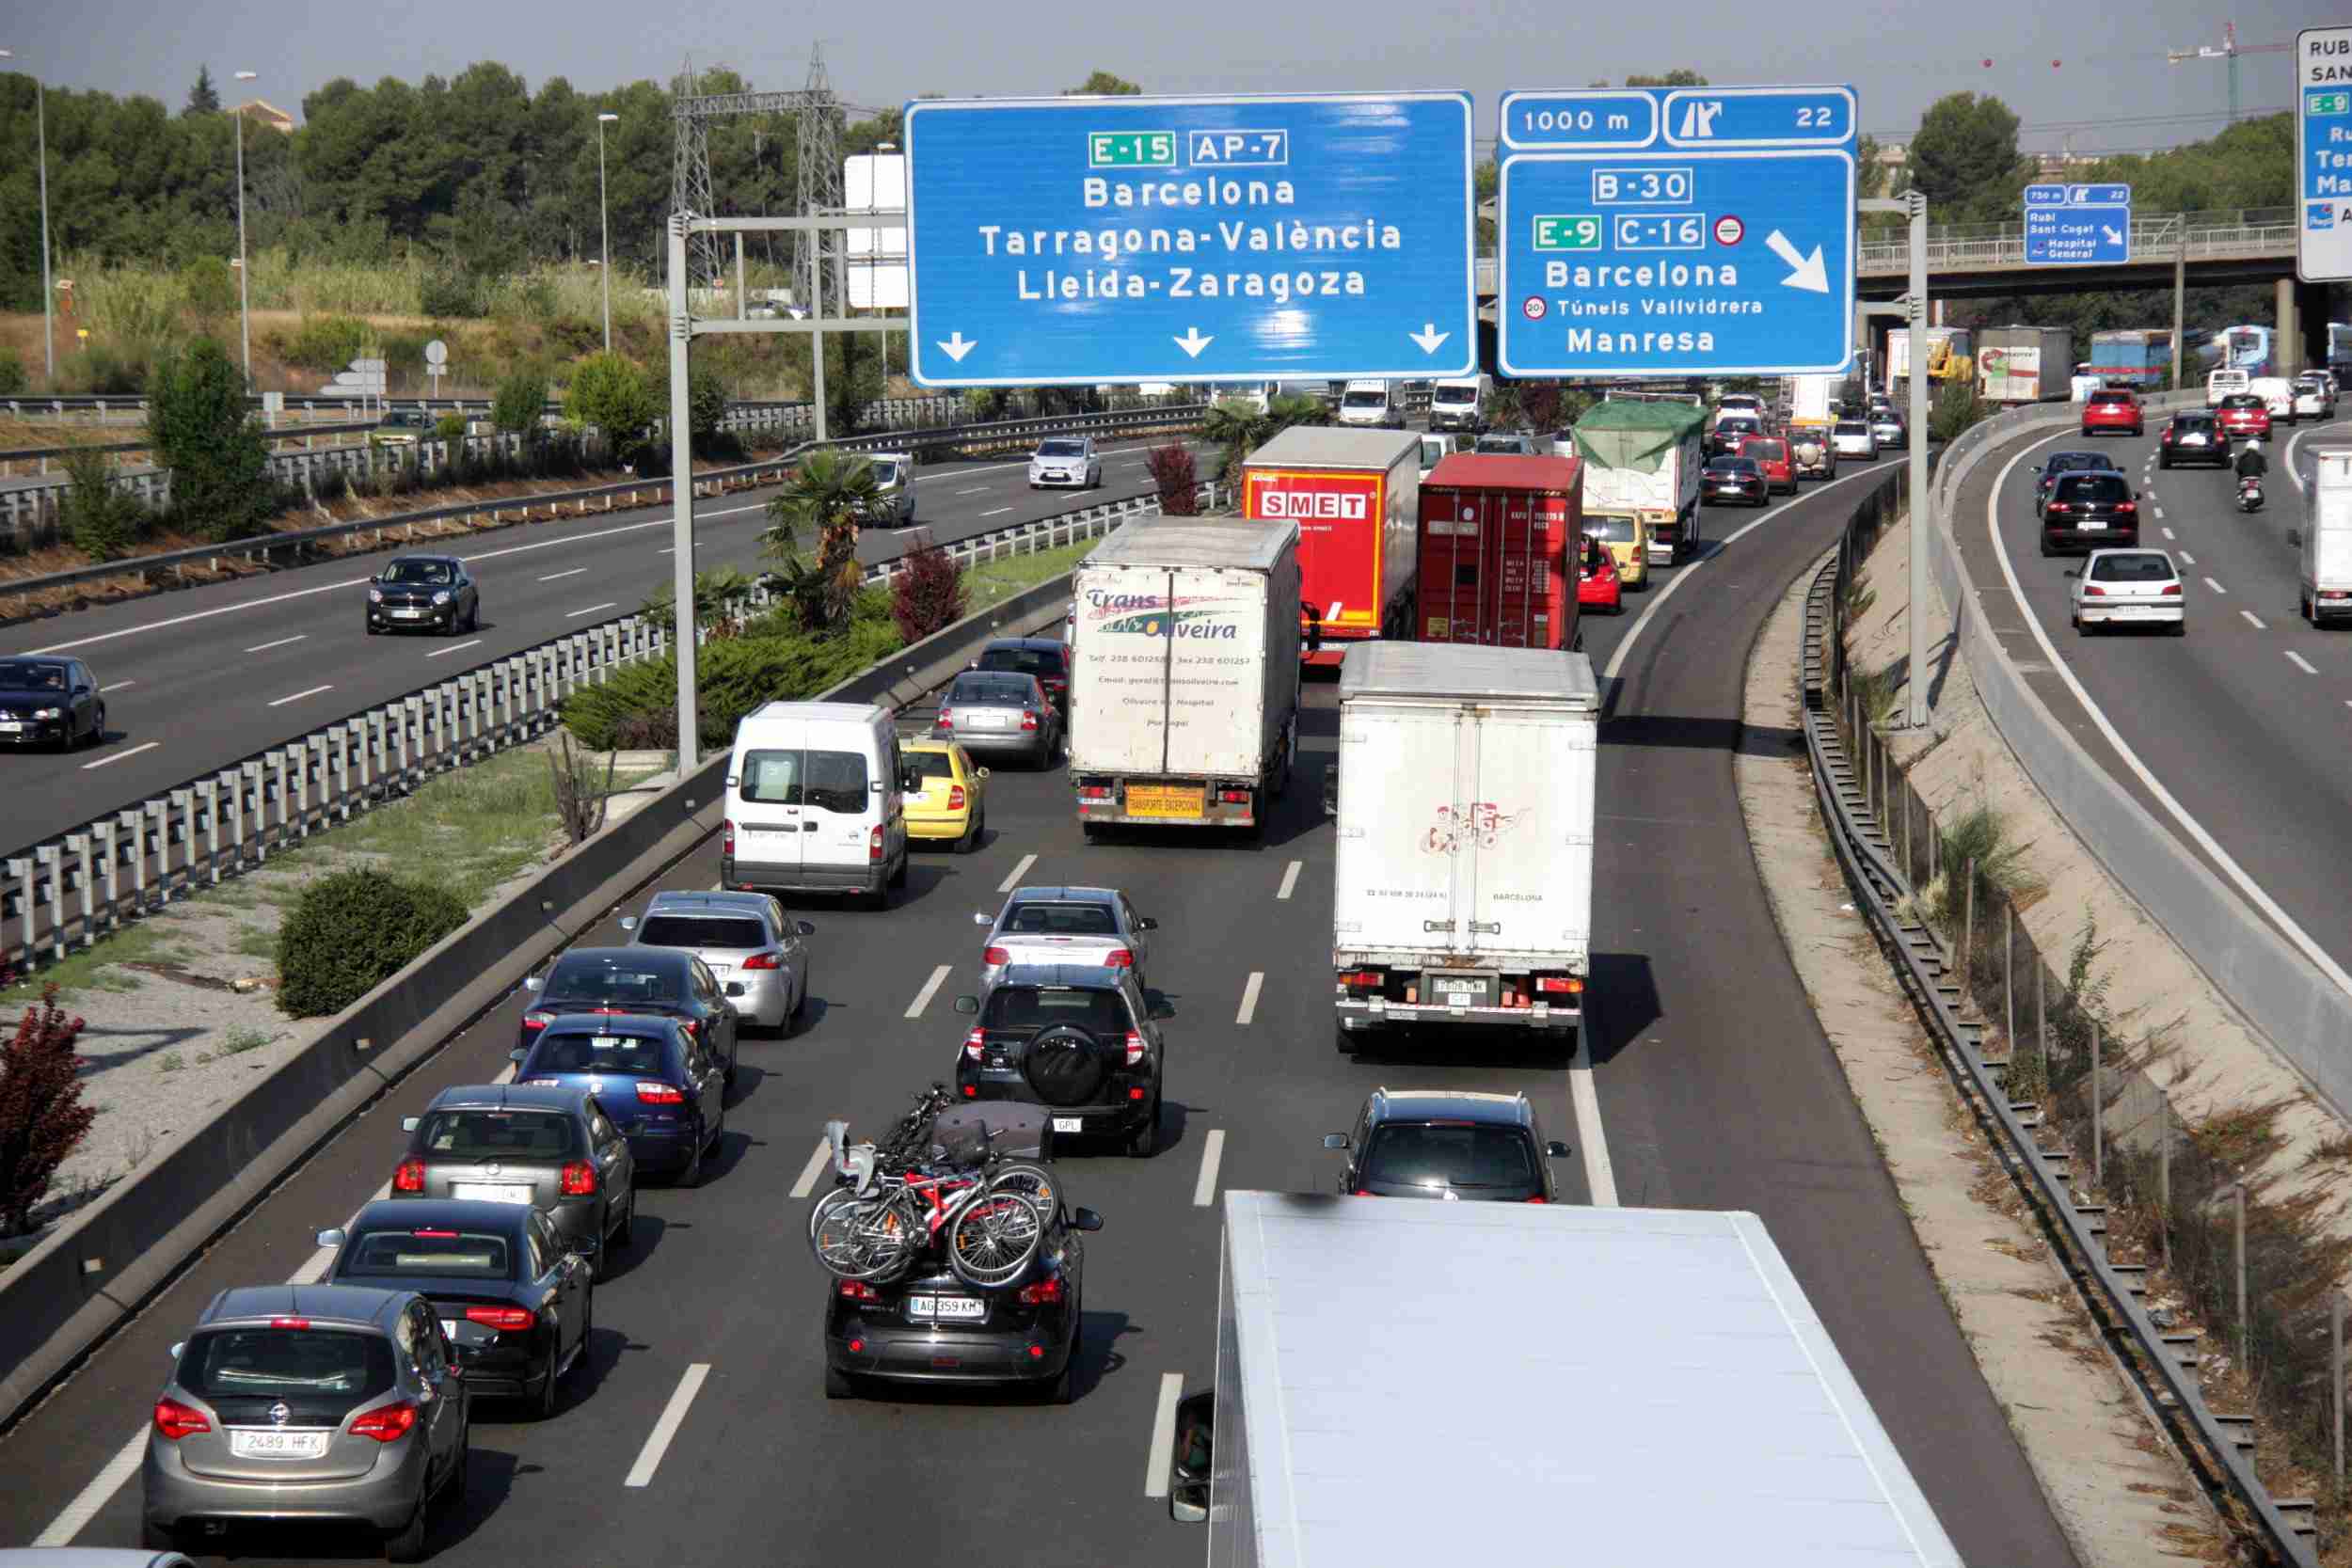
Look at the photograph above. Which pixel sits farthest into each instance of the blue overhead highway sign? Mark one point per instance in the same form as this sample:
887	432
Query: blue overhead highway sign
2323	144
1690	232
1091	240
2076	226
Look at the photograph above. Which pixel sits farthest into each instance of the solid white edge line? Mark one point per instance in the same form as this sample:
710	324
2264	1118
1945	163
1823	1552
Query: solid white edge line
455	648
1212	1151
127	751
1289	878
1586	1100
2302	663
2251	891
930	988
299	695
1012	877
283	642
1163	1435
672	1416
2253	620
1250	997
808	1183
557	577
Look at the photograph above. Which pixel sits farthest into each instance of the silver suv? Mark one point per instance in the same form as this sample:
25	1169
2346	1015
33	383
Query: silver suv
311	1402
747	941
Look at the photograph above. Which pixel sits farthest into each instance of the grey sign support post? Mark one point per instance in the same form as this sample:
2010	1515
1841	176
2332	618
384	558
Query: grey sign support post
684	329
1912	307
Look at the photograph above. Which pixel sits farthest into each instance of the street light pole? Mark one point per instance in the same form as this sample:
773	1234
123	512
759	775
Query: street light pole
244	285
40	130
604	223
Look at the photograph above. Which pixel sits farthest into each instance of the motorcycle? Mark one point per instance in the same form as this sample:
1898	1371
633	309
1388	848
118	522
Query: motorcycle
2249	494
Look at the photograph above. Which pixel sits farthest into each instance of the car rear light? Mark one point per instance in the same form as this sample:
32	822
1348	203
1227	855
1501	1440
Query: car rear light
1234	797
408	1176
659	1094
946	719
578	1178
437	1235
1118	958
535	1021
693	1027
971	1091
176	1420
955	796
1134	1093
1560	984
500	1318
388	1424
2059	506
874	842
2093	591
857	1289
2171	588
1029	718
1135	1048
726	839
290	1323
996	956
972	1044
2127	508
1538	1200
1037	1353
1363	1192
1040	1293
764	961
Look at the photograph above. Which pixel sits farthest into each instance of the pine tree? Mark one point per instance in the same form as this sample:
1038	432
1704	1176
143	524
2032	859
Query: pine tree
204	98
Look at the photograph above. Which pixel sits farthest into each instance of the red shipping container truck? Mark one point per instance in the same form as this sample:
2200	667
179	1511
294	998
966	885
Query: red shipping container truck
1351	494
1501	537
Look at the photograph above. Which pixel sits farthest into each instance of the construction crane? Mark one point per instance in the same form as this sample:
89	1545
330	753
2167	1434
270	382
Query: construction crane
2231	49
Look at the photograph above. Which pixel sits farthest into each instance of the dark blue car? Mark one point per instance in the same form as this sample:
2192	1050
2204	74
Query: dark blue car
662	1089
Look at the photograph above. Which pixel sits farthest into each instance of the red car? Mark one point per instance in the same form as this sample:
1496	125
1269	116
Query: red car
2244	416
1771	453
1596	584
2114	408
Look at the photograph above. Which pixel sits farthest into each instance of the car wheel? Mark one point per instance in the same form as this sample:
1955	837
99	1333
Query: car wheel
972	832
2180	629
693	1175
543	1406
2046	551
1346	1041
898	878
374	630
735	1061
587	1328
1061	1389
840	1385
407	1543
155	1538
1144	1141
453	1484
800	998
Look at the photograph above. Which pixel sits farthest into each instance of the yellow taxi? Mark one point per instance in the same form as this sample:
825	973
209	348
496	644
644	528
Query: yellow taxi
952	805
1626	535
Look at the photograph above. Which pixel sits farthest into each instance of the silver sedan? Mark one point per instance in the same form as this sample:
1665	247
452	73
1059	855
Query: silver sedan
1093	925
748	941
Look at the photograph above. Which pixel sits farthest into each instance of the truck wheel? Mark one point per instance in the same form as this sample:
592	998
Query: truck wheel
1344	1039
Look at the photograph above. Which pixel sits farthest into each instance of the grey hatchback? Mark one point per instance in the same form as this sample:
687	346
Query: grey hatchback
747	941
312	1402
552	1147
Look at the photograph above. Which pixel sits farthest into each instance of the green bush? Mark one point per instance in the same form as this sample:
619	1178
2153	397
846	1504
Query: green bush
448	290
102	521
1957	407
450	427
354	930
211	443
520	403
14	378
327	343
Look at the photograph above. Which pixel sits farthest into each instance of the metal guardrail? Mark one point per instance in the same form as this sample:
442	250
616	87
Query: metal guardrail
67	891
657	491
41	457
2256	232
1867	851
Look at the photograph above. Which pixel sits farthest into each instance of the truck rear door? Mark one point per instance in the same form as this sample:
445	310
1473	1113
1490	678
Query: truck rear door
1407	768
1525	833
1119	679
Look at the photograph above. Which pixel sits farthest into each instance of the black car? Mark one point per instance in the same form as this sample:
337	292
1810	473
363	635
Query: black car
2091	512
932	1327
1079	1039
516	1299
1734	479
50	702
2192	438
667	980
662	1088
1448	1144
423	592
1047	658
551	1149
2062	463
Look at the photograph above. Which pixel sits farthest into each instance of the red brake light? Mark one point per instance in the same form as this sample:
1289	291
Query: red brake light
946	719
2059	506
1234	797
726	844
764	961
692	1026
388	1424
997	956
290	1323
437	1235
2093	591
535	1021
408	1176
1558	983
971	1091
973	1042
1038	1294
577	1180
1538	1200
1118	958
1362	979
659	1094
2129	509
1135	1048
1029	718
955	796
2171	587
1363	1192
874	842
176	1420
857	1289
501	1316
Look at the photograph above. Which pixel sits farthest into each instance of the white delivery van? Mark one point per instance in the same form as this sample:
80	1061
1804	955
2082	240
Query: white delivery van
2327	570
894	483
2224	383
816	803
1459	404
1369	404
2277	395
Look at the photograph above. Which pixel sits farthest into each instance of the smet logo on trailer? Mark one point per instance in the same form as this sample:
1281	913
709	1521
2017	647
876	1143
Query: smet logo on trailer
1313	506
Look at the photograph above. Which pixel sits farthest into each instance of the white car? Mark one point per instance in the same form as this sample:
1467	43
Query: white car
2277	395
2314	398
1067	461
2134	587
1852	439
1095	927
893	485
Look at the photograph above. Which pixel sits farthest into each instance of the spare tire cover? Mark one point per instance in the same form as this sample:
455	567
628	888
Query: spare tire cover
1066	1065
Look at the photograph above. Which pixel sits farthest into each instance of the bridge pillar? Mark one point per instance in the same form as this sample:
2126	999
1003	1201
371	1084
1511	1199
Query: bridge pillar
2310	318
2290	334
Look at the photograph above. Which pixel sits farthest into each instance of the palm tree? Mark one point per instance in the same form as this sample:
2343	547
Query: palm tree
1240	428
835	494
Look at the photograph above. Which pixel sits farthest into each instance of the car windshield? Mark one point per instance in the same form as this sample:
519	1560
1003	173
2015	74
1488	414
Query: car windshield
2132	568
2063	461
1030	1009
1734	425
986	690
2094	488
286	1363
1449	1154
835	781
1061	920
1026	661
583	1051
1366	400
886	472
1853	427
2196	426
615	982
932	765
431	573
514	1136
2243	400
1732	466
402	418
702	931
463	1254
2110	400
24	675
1616	531
1454	392
1061	449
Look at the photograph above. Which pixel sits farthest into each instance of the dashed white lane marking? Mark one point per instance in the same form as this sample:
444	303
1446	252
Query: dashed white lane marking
1012	877
127	751
455	648
672	1416
1212	1151
1163	1435
299	695
1289	878
976	490
576	614
2253	620
555	576
930	988
283	642
2187	559
2302	663
2215	586
997	512
2169	534
808	1183
1250	997
2160	513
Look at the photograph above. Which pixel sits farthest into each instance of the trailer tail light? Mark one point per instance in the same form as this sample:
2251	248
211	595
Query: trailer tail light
1135	1048
874	842
1118	958
1234	797
1360	979
576	1179
1094	792
408	1176
1560	985
973	1042
176	1420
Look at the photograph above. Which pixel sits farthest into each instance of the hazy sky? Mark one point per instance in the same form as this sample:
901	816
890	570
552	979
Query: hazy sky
2112	88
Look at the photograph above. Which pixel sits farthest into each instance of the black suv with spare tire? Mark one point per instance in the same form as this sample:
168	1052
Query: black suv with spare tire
1080	1040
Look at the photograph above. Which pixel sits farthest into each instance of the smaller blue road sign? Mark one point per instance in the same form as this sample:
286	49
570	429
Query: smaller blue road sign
2079	226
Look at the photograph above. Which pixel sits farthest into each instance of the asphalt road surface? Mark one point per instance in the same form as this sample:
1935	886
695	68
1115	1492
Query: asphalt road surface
1711	1086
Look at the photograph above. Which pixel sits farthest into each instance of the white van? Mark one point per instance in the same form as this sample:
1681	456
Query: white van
816	803
2222	384
894	481
1368	405
2277	395
1458	405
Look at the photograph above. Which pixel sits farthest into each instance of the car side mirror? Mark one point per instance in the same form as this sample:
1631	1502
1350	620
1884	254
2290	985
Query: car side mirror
533	982
980	772
628	923
968	1003
735	988
1335	1140
979	919
2072	572
1147	923
1556	1149
1085	1219
806	927
331	1238
409	1124
516	1056
179	1350
1160	1010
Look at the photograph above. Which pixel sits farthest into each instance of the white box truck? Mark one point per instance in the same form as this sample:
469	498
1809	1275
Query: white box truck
1184	674
1643	458
1680	1401
1463	883
2327	570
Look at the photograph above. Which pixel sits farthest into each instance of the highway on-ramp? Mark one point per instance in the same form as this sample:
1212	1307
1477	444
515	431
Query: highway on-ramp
700	1434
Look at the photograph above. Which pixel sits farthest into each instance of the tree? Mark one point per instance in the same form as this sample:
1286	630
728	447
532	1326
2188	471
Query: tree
1102	84
612	394
1175	478
1242	428
1964	160
205	435
520	404
210	289
102	520
930	595
41	1114
204	98
835	494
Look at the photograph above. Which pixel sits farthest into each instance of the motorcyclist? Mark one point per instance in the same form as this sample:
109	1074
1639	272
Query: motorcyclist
2250	463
